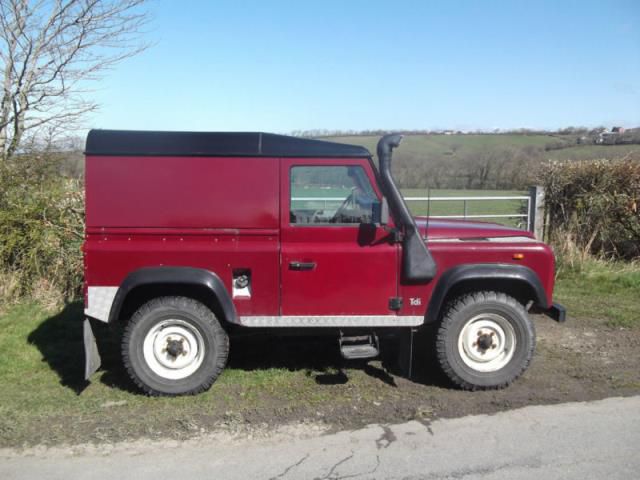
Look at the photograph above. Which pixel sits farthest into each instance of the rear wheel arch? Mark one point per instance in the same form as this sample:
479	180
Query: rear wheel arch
145	284
517	281
174	346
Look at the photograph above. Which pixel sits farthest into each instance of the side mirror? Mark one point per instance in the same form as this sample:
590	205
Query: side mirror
380	211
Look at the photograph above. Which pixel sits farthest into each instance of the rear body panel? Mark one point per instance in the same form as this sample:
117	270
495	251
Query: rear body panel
182	192
214	213
110	257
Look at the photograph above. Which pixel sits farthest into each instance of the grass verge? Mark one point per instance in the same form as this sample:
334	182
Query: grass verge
600	291
44	398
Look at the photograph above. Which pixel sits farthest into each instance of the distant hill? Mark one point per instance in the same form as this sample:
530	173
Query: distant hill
483	161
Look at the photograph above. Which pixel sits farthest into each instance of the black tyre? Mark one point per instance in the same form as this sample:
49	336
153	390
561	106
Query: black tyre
174	346
485	341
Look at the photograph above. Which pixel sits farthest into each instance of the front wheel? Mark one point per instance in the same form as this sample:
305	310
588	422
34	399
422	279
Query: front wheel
485	341
174	346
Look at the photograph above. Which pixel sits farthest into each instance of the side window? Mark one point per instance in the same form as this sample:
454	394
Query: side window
328	195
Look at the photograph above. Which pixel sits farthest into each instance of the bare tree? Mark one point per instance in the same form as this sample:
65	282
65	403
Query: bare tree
50	52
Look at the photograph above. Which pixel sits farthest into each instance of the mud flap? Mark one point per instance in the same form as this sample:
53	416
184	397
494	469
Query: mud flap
91	355
557	312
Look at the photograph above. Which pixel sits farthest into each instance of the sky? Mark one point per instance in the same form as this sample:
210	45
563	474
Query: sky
283	66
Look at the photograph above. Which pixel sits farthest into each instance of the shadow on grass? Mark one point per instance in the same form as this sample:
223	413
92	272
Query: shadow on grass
59	339
320	357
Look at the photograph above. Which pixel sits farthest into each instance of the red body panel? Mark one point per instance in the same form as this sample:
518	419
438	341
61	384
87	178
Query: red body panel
111	257
537	256
355	272
182	192
226	213
436	228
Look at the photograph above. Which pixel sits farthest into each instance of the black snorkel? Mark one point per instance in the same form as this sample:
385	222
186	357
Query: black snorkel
418	265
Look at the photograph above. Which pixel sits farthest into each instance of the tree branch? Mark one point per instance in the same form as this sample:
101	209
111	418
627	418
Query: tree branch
50	49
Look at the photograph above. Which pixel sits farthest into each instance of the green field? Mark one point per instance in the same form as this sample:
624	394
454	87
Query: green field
434	208
474	207
425	145
489	161
432	146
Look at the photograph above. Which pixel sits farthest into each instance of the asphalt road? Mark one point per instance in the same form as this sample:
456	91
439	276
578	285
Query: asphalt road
595	440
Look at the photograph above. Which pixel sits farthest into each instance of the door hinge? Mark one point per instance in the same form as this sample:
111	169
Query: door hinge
395	303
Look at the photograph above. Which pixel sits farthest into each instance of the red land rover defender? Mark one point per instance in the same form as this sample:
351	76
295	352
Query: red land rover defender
191	236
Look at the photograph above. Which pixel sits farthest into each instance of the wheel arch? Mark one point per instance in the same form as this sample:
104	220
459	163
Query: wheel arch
518	281
147	283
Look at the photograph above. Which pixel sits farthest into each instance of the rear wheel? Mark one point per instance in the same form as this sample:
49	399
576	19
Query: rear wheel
485	341
174	346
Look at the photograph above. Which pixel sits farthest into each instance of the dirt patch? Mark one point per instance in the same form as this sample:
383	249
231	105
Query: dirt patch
272	382
572	363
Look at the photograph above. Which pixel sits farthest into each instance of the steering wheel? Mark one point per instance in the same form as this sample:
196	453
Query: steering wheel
317	215
350	202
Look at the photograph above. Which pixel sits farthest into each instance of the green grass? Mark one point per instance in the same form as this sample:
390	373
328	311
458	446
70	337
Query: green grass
44	398
602	292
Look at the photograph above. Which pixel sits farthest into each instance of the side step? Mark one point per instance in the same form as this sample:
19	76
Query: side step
359	347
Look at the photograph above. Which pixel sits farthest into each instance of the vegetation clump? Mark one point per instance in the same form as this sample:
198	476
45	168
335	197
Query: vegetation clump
41	230
594	207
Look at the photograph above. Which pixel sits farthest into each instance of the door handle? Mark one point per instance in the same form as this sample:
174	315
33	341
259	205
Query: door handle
302	265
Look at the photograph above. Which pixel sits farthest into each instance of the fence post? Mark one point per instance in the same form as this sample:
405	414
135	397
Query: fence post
536	211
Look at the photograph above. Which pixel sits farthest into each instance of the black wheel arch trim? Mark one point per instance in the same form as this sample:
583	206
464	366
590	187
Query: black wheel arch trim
486	272
176	276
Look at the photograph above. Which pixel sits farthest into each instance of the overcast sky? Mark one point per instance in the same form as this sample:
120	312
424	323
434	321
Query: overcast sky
281	66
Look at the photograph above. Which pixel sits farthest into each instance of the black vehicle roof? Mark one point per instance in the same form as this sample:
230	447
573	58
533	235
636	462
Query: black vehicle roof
213	144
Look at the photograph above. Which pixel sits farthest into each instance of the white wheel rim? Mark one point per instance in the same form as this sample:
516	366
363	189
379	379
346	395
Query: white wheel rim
158	344
487	342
